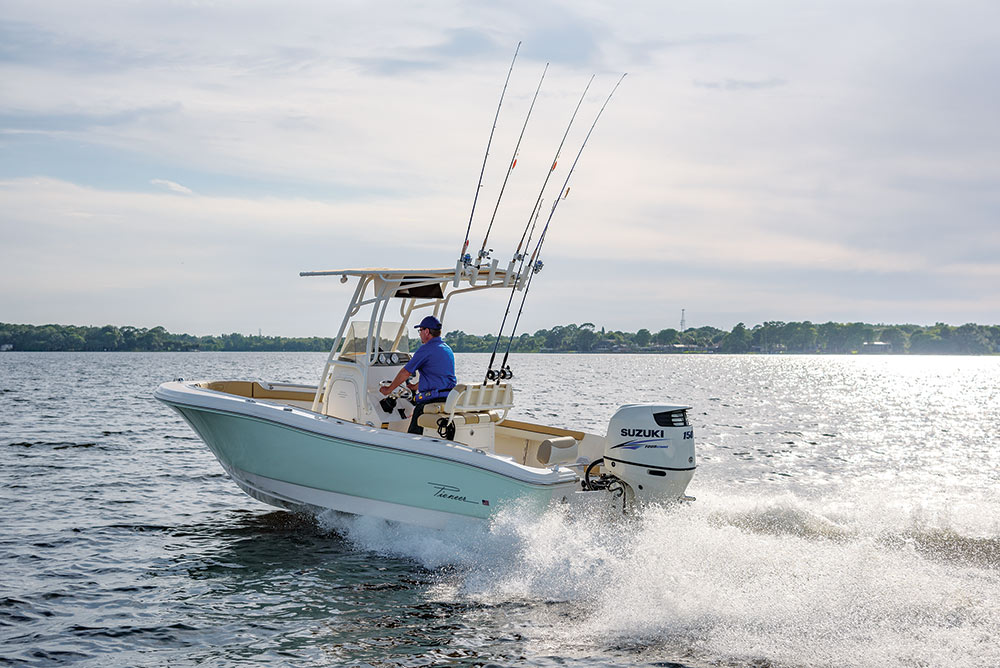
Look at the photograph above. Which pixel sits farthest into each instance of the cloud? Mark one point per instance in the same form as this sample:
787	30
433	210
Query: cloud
171	186
213	264
81	122
22	42
392	67
847	159
737	84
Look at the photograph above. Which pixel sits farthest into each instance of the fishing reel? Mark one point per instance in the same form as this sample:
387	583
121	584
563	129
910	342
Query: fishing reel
538	266
504	373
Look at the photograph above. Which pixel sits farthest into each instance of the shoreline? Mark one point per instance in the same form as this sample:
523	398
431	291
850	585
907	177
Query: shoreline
772	337
543	352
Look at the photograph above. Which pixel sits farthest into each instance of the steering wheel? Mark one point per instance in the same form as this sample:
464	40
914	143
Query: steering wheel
401	392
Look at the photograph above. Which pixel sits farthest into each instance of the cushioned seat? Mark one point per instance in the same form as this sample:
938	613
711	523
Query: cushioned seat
430	419
558	450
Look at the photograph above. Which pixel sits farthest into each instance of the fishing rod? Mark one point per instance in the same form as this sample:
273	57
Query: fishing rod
565	190
462	256
555	161
531	234
532	219
513	161
535	264
503	373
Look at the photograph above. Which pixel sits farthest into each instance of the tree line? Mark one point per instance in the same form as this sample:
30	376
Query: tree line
138	339
768	337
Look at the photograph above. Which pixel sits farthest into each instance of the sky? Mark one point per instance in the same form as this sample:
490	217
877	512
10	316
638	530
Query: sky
178	163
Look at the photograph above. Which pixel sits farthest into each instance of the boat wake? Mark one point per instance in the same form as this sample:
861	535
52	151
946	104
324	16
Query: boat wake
731	580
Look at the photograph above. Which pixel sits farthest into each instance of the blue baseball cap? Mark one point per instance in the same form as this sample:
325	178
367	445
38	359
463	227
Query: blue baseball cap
429	322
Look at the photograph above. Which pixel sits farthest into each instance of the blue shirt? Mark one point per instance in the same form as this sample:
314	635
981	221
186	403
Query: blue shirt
436	363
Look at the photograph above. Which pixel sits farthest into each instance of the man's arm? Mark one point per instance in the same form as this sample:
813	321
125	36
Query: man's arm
396	382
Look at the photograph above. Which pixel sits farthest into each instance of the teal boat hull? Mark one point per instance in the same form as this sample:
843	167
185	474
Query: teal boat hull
293	458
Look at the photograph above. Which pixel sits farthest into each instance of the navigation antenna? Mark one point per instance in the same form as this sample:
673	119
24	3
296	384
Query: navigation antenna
463	257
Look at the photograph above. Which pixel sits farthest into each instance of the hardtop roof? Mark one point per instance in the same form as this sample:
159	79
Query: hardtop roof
443	274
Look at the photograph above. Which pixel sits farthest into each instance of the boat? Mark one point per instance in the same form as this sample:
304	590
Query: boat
341	445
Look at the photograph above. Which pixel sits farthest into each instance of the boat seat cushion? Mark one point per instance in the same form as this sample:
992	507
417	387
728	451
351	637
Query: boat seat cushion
430	420
558	450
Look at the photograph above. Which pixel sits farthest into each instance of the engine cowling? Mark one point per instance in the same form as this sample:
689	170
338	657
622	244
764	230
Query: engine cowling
651	448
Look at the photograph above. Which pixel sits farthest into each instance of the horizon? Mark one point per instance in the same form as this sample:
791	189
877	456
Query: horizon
178	166
445	332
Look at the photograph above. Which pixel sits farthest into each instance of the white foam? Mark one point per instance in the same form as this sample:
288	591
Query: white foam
848	515
728	578
733	593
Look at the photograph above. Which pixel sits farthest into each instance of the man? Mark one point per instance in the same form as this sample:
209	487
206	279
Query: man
436	363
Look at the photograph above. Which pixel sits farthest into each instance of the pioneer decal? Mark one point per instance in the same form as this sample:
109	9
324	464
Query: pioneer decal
452	493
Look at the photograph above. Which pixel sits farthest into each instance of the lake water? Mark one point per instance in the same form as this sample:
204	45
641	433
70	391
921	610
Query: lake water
848	514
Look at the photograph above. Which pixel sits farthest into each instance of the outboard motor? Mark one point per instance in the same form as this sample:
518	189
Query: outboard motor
651	449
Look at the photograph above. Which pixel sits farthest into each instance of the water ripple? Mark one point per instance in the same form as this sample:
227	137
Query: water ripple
846	517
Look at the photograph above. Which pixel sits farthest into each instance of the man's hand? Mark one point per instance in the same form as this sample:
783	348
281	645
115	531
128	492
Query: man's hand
400	378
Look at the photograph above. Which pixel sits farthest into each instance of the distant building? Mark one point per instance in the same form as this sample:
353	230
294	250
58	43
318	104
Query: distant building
876	348
4	347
